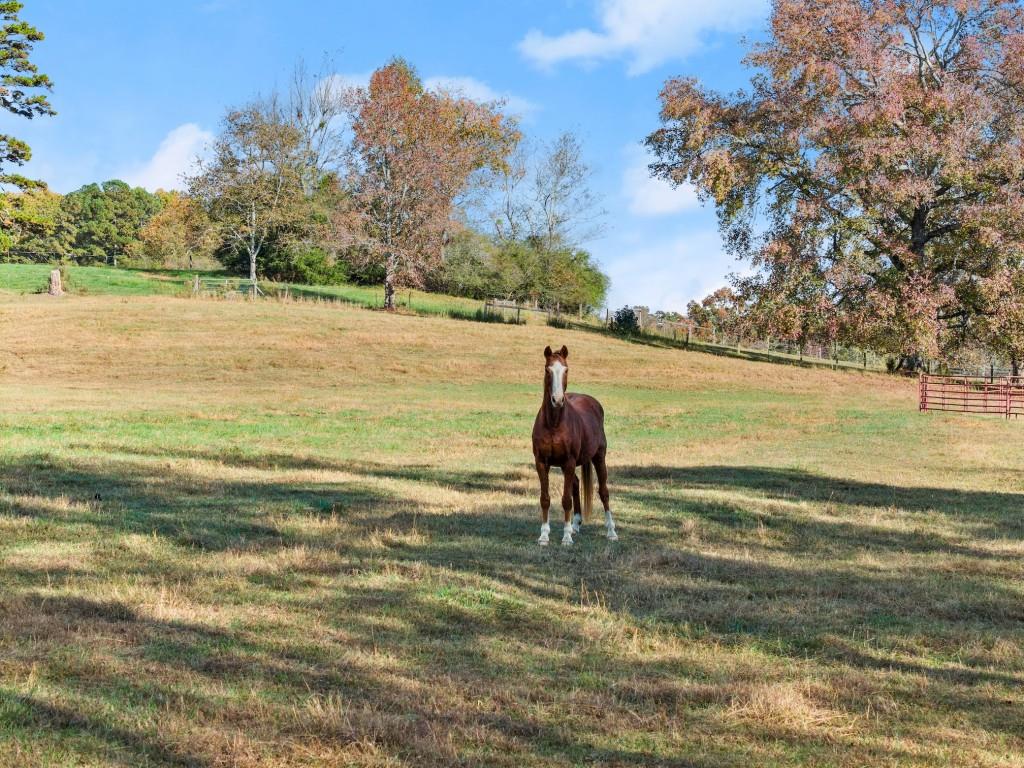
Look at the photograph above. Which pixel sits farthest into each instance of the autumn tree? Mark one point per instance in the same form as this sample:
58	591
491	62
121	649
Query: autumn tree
252	183
22	87
881	148
1002	330
28	223
180	235
719	311
413	152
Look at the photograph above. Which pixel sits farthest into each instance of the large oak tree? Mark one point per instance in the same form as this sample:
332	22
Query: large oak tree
874	172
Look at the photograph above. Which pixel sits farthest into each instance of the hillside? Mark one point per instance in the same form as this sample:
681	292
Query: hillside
302	534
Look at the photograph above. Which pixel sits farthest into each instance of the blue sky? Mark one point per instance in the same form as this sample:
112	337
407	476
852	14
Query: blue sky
140	86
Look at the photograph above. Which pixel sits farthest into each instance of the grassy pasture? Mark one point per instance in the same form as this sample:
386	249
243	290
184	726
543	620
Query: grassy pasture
237	534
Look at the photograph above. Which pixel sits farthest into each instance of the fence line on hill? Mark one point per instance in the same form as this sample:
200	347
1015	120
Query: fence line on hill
690	335
682	333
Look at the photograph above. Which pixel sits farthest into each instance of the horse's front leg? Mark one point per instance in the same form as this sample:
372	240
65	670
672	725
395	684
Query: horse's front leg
569	471
545	503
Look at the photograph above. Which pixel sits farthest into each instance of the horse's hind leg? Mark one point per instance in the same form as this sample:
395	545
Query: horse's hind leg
577	507
602	491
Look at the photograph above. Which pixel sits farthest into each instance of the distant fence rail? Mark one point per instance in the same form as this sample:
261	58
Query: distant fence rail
973	394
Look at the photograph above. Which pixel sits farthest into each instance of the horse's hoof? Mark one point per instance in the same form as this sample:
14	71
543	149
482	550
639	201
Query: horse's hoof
566	542
613	536
542	542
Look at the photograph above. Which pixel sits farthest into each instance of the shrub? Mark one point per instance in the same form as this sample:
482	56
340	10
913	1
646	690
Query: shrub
315	267
624	321
481	316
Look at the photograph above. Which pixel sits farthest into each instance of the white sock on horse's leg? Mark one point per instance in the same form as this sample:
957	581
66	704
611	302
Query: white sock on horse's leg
609	526
545	531
576	521
567	535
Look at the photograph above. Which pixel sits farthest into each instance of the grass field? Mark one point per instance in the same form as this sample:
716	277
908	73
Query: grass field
265	534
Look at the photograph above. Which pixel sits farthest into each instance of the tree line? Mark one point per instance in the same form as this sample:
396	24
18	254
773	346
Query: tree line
389	183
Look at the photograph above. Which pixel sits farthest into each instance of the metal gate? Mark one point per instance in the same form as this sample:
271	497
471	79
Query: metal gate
973	394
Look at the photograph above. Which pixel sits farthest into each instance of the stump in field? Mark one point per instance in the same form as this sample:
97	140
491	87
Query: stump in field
56	289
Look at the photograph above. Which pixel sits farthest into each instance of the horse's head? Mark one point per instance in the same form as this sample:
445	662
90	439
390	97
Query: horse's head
556	374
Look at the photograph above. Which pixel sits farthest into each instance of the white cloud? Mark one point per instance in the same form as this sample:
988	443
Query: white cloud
479	91
174	157
648	196
646	32
667	274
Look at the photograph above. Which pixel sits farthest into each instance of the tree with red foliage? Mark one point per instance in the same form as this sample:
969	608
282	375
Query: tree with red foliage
413	153
874	175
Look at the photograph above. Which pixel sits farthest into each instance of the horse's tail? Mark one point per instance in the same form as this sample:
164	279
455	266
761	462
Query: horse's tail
588	490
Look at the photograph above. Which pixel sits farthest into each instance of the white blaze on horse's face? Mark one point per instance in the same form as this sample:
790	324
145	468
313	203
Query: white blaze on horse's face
557	371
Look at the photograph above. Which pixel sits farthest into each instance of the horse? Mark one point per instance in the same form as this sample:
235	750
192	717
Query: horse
569	433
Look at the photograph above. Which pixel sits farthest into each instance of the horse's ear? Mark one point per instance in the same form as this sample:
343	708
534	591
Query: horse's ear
564	352
547	352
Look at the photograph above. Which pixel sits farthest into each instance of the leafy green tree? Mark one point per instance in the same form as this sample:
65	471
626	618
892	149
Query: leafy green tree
573	282
103	222
468	268
520	271
20	86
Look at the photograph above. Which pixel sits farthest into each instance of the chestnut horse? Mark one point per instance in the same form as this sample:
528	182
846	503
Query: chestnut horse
569	433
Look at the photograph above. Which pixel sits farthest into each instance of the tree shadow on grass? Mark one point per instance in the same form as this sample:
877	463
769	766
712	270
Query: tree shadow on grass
329	696
443	636
1001	511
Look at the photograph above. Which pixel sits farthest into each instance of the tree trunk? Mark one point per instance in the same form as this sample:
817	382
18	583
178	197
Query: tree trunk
252	273
56	288
1014	366
389	284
